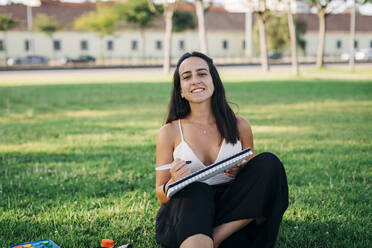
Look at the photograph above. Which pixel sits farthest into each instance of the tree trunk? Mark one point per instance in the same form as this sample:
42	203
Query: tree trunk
352	38
248	34
169	10
102	56
201	24
263	46
292	35
5	47
143	45
322	28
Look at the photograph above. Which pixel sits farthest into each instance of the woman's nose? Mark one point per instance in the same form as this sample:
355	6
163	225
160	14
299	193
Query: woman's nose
196	79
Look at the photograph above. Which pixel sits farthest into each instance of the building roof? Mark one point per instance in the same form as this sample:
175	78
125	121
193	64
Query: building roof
65	13
338	22
217	18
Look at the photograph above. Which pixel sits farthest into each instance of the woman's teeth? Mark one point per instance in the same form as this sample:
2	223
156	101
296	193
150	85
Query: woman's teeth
197	90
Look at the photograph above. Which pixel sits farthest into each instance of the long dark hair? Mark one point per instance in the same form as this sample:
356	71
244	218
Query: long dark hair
179	107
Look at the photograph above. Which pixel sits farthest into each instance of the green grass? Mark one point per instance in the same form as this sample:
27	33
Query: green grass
77	159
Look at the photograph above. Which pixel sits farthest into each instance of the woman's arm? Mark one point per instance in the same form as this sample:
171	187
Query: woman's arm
246	139
245	134
164	155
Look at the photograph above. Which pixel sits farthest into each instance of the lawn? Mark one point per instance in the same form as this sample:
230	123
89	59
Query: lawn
77	157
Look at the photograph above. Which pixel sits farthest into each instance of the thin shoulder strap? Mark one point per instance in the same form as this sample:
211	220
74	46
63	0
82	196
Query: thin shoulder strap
179	124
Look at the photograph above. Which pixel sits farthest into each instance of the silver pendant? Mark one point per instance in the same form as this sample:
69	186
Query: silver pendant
204	131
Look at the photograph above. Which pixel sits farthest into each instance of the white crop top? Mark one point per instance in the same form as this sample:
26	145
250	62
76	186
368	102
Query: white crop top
183	151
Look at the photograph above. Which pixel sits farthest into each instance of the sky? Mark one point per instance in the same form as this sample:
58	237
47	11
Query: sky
366	9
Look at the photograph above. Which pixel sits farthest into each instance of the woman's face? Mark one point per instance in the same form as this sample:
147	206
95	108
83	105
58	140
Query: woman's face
196	80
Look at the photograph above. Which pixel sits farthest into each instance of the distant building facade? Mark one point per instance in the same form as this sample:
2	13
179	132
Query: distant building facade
225	34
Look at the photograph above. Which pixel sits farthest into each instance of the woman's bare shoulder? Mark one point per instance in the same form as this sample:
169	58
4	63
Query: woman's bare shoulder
242	123
168	132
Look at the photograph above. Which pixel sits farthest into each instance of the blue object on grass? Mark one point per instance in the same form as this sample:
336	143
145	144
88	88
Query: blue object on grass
44	243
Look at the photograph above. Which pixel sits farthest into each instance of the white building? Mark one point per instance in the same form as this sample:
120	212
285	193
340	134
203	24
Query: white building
225	32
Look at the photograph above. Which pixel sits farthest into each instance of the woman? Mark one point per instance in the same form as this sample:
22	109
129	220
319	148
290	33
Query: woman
241	207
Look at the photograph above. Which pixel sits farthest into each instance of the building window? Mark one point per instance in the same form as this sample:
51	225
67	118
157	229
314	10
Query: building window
158	45
110	45
84	45
27	45
181	44
356	44
225	44
339	44
1	45
134	45
370	44
243	44
57	45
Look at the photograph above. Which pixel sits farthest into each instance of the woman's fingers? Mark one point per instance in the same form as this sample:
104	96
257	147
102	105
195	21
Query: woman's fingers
177	165
232	172
241	164
179	170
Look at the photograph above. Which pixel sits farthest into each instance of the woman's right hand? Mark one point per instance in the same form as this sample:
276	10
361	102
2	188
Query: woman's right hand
179	170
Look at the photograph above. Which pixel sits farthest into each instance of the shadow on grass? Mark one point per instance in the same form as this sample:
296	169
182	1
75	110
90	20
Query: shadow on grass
323	233
113	170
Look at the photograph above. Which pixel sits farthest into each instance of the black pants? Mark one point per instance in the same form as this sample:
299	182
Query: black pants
259	191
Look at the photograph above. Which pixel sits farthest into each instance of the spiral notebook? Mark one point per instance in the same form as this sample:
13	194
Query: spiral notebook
209	171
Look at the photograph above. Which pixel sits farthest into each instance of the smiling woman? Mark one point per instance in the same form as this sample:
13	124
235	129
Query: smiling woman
243	205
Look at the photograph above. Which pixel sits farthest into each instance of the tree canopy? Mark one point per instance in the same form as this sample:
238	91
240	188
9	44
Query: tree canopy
103	20
183	20
278	33
46	24
7	22
137	12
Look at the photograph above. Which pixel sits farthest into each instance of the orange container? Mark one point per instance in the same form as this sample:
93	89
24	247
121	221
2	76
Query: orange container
107	243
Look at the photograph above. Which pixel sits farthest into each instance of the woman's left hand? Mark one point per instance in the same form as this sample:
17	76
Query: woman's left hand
233	171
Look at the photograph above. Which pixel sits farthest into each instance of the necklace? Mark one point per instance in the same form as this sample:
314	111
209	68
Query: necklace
203	129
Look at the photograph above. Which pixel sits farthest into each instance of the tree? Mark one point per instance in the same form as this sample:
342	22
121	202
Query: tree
352	31
352	38
168	7
168	13
322	11
276	30
261	10
138	13
301	27
293	38
201	8
183	20
48	25
279	37
175	21
103	21
7	23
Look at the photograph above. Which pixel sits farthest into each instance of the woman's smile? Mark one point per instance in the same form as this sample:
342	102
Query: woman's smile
197	90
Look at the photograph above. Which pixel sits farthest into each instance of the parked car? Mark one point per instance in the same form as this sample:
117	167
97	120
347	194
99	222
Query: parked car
364	54
275	55
28	60
81	59
345	56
